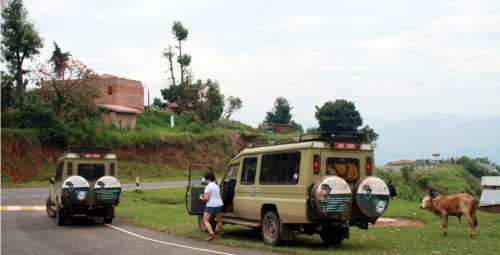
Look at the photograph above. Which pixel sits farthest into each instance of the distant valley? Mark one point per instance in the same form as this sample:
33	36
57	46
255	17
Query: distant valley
449	135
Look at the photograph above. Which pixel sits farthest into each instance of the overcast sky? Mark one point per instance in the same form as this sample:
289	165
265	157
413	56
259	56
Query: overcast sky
395	59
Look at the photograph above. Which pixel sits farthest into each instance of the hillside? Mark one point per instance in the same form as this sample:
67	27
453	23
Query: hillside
447	180
26	159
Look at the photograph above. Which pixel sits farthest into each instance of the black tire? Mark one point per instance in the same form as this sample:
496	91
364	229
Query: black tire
61	216
108	215
202	227
331	236
50	210
271	228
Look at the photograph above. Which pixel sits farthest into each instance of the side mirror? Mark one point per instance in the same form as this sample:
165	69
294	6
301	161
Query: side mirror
52	180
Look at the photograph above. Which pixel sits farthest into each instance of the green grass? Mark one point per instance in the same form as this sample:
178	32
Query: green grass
164	210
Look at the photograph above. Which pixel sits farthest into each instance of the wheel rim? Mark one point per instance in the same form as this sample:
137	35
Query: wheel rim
271	229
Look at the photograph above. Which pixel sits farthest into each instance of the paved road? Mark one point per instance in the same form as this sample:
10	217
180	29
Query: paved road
33	232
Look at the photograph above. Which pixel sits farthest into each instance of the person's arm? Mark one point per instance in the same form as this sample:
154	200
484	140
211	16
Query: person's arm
205	197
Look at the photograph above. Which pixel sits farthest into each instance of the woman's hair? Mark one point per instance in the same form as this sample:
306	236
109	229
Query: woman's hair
209	176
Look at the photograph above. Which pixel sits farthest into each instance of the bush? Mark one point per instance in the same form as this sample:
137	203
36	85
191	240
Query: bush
472	167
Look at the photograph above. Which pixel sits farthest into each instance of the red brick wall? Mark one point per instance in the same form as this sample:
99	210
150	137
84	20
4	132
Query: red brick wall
125	92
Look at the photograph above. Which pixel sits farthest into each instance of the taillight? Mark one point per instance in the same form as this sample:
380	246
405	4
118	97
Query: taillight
316	164
369	166
70	168
112	169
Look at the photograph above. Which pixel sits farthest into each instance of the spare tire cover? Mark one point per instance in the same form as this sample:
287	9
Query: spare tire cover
372	196
75	189
330	196
107	189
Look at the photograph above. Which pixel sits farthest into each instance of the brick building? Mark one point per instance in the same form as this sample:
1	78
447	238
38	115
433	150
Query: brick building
120	91
122	98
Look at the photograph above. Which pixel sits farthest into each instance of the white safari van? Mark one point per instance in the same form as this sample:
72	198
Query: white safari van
319	183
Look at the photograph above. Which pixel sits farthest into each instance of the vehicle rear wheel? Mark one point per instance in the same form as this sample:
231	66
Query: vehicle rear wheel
332	236
51	211
108	215
271	228
61	216
202	227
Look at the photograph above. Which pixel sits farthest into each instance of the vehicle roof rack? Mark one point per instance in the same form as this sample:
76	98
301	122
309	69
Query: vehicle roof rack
308	137
334	137
83	149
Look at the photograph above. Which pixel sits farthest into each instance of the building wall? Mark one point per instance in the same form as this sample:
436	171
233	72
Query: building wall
120	91
121	120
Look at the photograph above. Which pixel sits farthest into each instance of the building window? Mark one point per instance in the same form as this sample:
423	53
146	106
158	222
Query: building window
110	90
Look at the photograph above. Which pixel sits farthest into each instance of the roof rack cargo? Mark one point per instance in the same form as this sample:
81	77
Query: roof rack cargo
82	149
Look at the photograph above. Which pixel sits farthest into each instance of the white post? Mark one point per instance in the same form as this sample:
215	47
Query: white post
172	121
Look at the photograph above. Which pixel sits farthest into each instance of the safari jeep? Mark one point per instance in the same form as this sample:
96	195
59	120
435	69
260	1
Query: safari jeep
320	183
85	183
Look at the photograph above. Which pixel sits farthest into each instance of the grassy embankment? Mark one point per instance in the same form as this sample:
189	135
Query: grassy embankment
164	210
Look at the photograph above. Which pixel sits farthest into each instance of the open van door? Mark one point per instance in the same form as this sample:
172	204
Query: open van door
196	186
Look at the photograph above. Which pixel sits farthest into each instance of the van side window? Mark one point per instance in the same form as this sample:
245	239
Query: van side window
248	171
281	168
346	168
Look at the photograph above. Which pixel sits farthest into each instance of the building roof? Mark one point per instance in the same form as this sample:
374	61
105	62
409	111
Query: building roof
119	108
490	197
106	76
490	181
400	162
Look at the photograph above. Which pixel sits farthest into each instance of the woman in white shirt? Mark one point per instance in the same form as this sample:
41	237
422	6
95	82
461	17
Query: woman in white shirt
214	206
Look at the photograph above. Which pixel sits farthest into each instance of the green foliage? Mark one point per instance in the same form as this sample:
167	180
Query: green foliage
281	112
370	134
50	128
11	118
406	172
234	104
472	167
20	42
8	95
296	127
213	105
338	116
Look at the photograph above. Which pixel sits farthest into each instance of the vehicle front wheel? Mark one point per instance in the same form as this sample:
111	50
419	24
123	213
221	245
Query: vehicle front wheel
271	228
61	216
51	211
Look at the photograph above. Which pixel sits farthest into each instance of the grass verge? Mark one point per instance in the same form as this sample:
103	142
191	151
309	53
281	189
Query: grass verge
164	210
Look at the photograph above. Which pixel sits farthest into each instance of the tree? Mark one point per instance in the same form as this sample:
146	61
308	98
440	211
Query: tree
157	103
181	34
234	104
296	127
280	114
211	102
20	41
169	55
70	86
185	93
370	134
338	116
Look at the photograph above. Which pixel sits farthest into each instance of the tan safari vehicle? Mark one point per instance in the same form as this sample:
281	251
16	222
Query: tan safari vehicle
85	183
320	183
